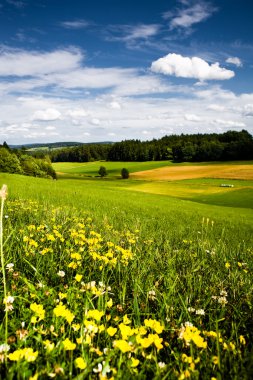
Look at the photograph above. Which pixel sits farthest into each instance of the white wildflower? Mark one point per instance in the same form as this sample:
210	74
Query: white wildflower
222	300
8	301
98	369
4	348
200	312
61	273
152	295
9	267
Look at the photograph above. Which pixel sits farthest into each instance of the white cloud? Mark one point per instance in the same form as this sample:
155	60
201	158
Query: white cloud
50	128
142	31
248	110
49	114
76	24
14	62
39	135
185	67
131	33
95	121
229	123
77	113
192	14
216	107
86	104
234	61
115	105
192	117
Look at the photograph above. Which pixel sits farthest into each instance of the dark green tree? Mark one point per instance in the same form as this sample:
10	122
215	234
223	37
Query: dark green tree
102	171
124	173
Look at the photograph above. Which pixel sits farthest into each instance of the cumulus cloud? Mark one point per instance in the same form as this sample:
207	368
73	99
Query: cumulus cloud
50	114
189	14
234	61
185	67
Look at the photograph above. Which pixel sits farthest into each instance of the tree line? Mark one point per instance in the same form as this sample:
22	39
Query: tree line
231	145
16	161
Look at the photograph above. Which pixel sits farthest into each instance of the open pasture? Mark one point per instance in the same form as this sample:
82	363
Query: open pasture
90	169
209	191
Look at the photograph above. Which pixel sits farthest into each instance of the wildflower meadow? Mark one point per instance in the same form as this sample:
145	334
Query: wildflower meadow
86	297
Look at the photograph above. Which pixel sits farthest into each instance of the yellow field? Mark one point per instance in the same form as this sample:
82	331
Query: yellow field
171	173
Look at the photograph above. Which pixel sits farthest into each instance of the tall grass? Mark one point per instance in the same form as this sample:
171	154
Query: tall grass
109	283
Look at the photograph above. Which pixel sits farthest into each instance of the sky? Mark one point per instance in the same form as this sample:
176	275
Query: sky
110	70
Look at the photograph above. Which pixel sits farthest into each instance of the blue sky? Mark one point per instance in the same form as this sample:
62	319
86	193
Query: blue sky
111	70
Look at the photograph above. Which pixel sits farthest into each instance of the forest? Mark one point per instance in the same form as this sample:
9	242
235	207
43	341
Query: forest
228	146
17	161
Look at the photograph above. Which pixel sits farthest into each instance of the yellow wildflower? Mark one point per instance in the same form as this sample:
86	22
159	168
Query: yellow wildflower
78	277
68	345
73	265
62	295
155	325
126	331
111	331
24	353
109	303
61	311
215	360
76	256
38	310
135	362
49	346
95	314
126	320
76	326
122	345
80	363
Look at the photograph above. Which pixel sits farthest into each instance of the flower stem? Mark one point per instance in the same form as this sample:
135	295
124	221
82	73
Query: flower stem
3	270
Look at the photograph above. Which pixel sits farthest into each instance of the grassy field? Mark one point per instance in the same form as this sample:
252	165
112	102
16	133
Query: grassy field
90	169
126	279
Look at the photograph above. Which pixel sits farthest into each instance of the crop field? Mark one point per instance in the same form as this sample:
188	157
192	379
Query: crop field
198	171
126	279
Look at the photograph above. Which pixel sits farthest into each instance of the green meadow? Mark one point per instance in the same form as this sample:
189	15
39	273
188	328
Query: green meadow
90	169
126	279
